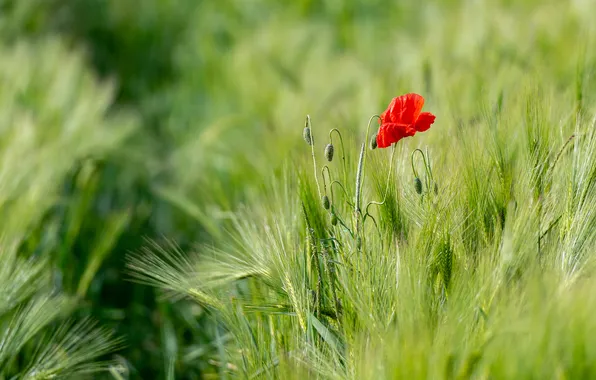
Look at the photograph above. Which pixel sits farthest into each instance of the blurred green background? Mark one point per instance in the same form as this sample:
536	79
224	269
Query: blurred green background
125	121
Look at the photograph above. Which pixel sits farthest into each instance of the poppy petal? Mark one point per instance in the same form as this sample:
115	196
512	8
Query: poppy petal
386	117
405	109
424	121
383	138
390	133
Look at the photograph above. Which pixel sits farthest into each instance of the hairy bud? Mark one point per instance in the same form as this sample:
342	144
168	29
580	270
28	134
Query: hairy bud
329	150
418	185
373	142
307	136
326	203
333	219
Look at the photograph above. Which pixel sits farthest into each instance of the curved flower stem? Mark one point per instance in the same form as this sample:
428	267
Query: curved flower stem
341	221
429	170
412	161
366	141
312	148
344	189
377	227
343	151
366	213
357	212
359	179
361	165
325	182
426	167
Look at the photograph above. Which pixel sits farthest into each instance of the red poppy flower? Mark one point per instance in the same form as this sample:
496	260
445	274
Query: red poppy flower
403	118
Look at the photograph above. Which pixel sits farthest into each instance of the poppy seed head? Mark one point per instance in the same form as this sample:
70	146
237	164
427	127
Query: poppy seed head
329	150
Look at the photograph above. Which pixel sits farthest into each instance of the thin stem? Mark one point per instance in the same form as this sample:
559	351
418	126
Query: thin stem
312	148
426	167
340	220
378	230
324	182
366	142
359	179
344	189
386	188
320	281
429	171
412	161
343	151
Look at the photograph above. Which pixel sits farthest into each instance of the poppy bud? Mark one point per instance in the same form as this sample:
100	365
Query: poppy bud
358	242
326	203
329	152
436	189
373	142
307	136
418	185
333	219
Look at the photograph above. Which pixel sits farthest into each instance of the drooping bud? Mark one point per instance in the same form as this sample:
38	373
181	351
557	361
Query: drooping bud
306	135
358	242
373	142
326	203
436	189
333	219
329	150
418	185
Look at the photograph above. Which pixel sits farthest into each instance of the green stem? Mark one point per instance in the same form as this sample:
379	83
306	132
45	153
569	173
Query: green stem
343	188
426	168
343	151
359	179
366	144
386	188
312	148
324	182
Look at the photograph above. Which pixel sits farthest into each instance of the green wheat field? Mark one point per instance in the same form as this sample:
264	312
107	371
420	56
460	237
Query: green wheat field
170	207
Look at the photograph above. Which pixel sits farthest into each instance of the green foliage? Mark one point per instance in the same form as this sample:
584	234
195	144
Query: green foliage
53	117
426	287
484	276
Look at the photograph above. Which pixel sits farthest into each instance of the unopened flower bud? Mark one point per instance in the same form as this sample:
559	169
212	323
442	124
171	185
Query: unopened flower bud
326	202
329	152
436	189
373	142
333	219
358	242
418	185
307	136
